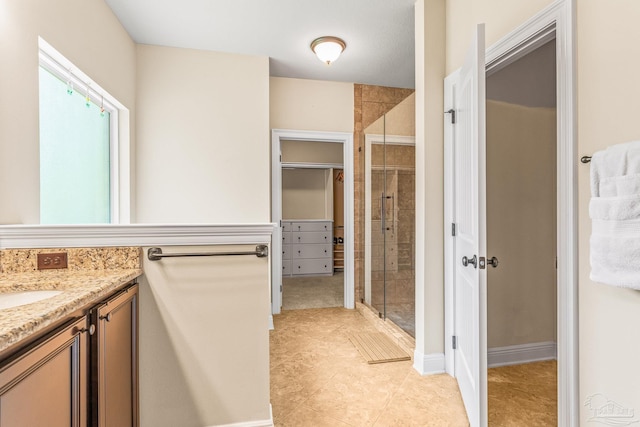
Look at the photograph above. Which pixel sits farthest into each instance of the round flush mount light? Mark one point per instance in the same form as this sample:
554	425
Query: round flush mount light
328	48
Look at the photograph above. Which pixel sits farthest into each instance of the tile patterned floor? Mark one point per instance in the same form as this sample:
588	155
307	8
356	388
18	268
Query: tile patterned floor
313	292
318	378
523	395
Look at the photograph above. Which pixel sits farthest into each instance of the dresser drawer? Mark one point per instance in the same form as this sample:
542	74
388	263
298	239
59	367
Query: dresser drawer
286	238
311	226
287	226
312	266
311	251
312	237
286	252
286	267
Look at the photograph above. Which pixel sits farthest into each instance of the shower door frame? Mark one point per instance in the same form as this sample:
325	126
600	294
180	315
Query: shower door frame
369	141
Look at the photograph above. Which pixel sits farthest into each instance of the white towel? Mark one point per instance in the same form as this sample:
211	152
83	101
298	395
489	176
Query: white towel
615	214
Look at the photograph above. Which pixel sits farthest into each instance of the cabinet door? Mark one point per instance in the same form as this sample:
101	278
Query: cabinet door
47	384
115	358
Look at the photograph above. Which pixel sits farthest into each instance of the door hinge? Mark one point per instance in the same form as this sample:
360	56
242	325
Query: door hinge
280	288
453	229
453	115
454	342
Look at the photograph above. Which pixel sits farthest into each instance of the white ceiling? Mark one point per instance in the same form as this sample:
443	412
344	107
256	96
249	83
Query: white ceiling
379	33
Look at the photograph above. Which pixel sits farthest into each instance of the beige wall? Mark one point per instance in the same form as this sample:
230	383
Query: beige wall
90	36
203	137
401	120
311	105
204	346
500	16
429	273
307	194
521	224
608	344
608	347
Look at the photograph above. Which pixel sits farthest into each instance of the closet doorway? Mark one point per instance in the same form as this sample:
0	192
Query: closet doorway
312	206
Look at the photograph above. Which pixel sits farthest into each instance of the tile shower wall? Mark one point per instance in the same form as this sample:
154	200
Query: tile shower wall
370	103
400	215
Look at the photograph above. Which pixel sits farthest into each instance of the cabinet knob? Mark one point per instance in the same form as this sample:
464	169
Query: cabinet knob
91	329
107	317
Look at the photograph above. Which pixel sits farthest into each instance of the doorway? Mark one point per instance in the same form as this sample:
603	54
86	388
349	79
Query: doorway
465	149
309	261
312	225
521	227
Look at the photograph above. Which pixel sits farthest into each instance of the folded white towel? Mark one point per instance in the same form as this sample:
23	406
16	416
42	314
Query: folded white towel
615	214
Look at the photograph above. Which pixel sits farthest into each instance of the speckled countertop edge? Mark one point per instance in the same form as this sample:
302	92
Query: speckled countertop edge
80	289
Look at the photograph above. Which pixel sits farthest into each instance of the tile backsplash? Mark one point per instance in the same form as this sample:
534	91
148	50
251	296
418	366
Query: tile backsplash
117	258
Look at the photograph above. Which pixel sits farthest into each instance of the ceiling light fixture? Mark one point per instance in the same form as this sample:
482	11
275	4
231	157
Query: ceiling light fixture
328	48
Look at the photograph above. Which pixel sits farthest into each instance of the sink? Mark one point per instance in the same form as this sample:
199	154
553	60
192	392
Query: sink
16	299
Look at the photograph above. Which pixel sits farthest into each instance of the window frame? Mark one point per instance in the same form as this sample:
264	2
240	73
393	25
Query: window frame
54	62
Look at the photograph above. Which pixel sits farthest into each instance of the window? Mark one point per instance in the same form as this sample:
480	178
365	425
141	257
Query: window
79	163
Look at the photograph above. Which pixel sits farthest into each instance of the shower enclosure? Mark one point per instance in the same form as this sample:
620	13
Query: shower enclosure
390	217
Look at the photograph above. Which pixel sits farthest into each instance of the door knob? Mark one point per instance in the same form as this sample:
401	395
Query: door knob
493	262
473	261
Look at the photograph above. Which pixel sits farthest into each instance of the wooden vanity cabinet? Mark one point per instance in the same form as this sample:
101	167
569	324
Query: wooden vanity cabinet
114	361
46	384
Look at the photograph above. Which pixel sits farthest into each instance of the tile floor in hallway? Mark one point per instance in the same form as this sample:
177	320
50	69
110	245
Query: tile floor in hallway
318	378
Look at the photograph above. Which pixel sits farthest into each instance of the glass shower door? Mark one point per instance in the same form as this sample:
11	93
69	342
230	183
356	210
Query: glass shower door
391	189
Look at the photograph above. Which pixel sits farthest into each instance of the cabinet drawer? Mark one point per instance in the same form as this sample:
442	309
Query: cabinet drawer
311	251
286	267
311	226
286	238
312	266
286	226
286	252
312	237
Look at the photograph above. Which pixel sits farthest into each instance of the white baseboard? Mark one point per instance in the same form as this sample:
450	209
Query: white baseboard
519	354
428	364
271	327
260	423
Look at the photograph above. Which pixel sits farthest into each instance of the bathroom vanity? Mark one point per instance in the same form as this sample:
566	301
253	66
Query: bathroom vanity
70	358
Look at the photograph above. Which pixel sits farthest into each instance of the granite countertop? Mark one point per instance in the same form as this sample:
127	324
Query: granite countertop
80	289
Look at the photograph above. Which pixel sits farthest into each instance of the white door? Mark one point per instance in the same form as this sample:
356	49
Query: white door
470	245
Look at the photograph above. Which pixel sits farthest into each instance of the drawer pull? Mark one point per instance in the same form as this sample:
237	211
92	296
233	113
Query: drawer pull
91	329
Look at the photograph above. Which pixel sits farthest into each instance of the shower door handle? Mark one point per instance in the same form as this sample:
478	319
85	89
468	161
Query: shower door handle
382	213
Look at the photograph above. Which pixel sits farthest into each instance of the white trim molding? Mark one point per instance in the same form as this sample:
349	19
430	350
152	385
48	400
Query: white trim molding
69	236
428	364
522	353
259	423
278	135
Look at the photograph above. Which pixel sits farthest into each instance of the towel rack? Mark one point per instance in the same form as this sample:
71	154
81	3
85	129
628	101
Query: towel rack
585	159
155	254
